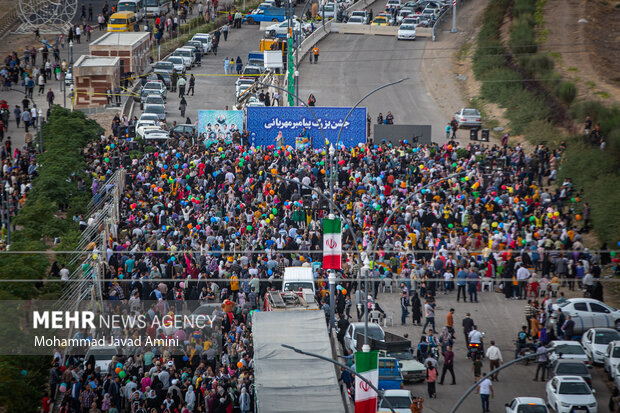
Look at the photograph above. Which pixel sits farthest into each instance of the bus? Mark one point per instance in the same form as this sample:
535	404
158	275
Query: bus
157	8
136	6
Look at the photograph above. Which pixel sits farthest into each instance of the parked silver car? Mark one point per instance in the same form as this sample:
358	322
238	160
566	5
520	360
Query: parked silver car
468	118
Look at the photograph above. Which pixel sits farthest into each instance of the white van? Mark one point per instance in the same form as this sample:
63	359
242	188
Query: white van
136	6
102	356
298	277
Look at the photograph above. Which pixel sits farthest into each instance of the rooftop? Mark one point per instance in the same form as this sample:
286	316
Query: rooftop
120	39
96	61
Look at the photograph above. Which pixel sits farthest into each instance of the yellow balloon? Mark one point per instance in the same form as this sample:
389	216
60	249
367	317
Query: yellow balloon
271	216
268	220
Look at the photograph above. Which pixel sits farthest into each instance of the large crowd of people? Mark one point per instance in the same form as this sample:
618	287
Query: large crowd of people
208	223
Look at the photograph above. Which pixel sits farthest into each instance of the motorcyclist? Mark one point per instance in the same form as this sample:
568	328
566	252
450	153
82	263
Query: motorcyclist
475	337
521	342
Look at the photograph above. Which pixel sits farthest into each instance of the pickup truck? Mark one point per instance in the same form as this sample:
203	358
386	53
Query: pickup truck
390	376
265	15
399	347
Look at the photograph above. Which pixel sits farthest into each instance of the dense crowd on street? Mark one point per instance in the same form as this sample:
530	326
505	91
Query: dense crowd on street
218	221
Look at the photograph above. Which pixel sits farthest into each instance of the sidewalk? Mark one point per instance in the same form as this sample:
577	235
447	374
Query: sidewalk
16	94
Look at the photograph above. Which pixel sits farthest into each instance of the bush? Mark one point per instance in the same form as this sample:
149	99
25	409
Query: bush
524	8
537	64
523	37
567	92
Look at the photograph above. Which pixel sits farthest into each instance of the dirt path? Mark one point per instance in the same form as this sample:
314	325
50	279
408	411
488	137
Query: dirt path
588	53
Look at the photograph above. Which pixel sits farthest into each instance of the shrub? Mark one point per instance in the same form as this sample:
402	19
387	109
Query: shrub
567	92
523	37
537	64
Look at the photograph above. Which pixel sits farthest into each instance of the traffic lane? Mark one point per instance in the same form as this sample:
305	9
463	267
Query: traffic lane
352	65
213	89
500	319
217	91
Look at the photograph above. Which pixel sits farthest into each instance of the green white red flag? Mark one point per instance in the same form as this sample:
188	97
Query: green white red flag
366	364
332	240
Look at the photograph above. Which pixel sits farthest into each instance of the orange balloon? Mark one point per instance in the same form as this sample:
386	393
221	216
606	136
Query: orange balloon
118	370
323	171
240	364
578	217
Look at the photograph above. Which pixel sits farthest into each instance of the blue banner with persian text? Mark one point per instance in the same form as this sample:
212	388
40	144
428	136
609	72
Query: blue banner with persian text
264	124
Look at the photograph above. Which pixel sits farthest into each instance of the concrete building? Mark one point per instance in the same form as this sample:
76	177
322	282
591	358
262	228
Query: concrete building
93	76
132	47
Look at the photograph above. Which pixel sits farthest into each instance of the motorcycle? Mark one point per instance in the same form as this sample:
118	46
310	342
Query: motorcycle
527	350
474	350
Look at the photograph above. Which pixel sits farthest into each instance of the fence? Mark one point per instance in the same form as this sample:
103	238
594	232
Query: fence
103	218
439	21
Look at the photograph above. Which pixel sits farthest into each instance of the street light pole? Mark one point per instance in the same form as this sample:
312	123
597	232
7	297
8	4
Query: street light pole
70	69
453	30
332	291
365	270
331	157
40	121
347	368
6	200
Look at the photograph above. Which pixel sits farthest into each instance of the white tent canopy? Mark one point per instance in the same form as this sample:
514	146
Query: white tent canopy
286	381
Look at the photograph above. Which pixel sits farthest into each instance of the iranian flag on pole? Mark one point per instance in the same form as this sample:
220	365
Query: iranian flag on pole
366	364
332	249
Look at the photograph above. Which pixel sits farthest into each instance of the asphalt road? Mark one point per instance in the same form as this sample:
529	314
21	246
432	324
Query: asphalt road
352	65
500	319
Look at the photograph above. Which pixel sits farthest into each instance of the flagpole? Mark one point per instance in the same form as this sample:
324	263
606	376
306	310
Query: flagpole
347	368
332	290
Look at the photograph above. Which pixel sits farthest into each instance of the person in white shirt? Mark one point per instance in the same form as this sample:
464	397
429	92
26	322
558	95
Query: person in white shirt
522	275
447	279
495	359
64	273
485	389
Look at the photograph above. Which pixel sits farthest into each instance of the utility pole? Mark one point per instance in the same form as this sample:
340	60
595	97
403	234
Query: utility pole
453	30
6	200
290	66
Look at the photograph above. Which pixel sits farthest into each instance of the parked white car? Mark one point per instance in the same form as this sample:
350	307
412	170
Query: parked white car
526	405
281	29
178	63
611	361
406	32
566	394
206	40
595	342
362	14
356	20
154	133
393	4
350	337
567	350
587	313
400	400
186	55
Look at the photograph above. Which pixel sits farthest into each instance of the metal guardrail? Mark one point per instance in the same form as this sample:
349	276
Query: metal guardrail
105	210
438	22
8	21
